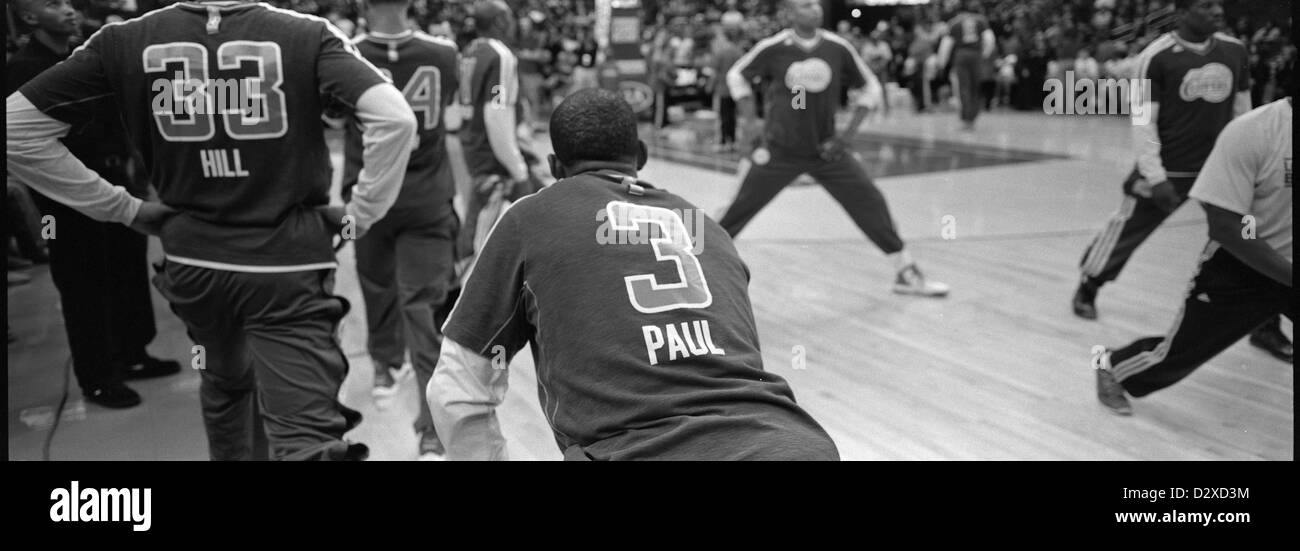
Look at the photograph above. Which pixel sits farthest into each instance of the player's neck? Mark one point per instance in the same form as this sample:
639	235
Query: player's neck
389	23
806	34
580	167
1189	36
59	44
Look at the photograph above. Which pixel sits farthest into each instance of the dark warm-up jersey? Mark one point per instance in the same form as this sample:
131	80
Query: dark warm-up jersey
489	76
637	310
1195	92
223	100
424	67
966	30
802	88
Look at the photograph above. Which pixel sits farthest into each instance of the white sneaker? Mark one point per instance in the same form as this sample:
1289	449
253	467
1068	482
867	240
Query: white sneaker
389	381
431	448
911	282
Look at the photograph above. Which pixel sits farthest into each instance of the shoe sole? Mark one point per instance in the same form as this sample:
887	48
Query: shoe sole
913	293
1085	315
382	392
1272	352
1120	412
140	376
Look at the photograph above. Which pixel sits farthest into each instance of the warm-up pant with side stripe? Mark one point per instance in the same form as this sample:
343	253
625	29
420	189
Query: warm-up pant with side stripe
1225	301
1135	220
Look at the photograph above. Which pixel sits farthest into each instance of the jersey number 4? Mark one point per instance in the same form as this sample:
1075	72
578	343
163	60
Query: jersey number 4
672	243
225	97
423	92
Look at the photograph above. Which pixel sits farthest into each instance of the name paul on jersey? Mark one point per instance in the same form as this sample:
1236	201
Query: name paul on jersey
676	341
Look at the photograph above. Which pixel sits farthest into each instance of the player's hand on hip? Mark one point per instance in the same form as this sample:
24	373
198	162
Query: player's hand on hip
1165	196
151	217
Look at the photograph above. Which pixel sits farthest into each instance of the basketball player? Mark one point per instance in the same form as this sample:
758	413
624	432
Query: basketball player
406	262
968	44
640	324
490	97
1244	277
1198	81
224	101
803	69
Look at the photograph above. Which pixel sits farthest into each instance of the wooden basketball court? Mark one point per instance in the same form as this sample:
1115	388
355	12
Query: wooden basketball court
1000	370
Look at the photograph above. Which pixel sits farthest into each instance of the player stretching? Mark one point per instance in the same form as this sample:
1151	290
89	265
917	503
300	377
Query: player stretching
405	263
802	68
224	102
1192	73
640	325
1244	278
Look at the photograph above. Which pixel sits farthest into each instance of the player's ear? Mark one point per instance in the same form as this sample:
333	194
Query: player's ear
557	169
642	156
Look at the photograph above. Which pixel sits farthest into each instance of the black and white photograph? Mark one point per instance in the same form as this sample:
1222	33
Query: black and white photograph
683	230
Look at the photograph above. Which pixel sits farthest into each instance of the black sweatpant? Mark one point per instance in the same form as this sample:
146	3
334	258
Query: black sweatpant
966	67
1128	227
406	266
271	352
845	179
726	118
1225	301
101	270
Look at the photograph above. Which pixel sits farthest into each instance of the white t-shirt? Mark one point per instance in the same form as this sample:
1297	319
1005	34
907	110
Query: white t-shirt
1249	172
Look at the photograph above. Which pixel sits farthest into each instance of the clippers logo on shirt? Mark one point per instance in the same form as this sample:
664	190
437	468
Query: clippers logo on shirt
812	74
1212	83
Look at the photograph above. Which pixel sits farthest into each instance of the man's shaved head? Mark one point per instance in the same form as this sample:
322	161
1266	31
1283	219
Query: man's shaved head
594	125
492	17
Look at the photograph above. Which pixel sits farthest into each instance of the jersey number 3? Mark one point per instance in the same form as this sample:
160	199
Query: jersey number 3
667	234
251	107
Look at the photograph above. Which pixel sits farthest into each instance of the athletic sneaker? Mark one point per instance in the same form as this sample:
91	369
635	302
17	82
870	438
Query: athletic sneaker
1110	393
1085	302
388	380
113	395
431	448
910	281
1270	338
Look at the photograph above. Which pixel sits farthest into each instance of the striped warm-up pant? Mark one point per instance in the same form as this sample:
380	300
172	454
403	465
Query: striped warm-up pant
1225	301
1136	218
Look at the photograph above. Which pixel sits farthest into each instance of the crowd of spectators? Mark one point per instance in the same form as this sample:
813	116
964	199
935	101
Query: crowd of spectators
684	40
1042	39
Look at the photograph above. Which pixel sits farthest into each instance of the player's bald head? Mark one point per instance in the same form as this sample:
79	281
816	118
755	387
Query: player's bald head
491	15
595	125
803	14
